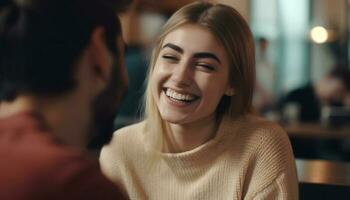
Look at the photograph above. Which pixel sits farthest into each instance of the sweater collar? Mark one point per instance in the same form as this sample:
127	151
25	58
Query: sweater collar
207	152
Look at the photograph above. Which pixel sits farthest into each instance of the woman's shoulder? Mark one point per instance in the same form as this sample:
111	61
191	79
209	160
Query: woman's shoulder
131	130
266	154
257	137
258	128
264	141
125	143
126	137
271	136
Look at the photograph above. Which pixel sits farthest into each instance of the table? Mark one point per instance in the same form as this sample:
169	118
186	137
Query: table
316	131
323	172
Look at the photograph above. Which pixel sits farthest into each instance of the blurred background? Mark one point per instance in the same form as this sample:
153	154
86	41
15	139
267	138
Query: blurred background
302	64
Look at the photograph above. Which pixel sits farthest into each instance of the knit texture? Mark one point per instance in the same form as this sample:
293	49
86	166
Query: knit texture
249	158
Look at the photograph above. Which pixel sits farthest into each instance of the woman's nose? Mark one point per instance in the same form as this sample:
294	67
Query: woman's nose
182	74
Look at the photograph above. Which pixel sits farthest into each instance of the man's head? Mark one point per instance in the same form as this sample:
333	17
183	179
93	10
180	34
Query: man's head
263	44
51	49
333	88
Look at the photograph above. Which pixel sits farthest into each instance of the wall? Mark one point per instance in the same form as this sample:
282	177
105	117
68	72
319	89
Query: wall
241	5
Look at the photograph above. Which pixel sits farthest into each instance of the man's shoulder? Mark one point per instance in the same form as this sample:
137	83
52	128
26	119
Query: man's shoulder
34	165
33	148
52	171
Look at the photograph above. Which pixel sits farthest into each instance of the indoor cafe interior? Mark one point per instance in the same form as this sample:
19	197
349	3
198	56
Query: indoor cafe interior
302	55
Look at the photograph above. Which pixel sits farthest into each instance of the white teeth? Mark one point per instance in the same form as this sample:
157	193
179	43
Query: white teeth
178	96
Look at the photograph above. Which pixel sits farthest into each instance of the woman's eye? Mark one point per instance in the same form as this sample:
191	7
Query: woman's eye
205	67
170	58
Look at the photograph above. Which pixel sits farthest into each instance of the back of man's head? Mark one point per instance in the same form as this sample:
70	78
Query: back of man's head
40	41
334	86
342	73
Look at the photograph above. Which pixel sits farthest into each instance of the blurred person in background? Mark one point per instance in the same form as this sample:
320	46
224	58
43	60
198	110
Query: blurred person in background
331	90
264	94
323	102
62	76
200	138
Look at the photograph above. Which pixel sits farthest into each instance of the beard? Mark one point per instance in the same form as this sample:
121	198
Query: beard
105	107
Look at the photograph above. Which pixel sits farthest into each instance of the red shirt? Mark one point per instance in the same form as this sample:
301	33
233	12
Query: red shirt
34	166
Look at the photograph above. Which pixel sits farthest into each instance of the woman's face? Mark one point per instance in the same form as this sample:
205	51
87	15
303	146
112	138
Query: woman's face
190	75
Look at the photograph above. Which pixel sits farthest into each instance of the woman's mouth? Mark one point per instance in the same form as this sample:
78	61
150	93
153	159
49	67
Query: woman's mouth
179	97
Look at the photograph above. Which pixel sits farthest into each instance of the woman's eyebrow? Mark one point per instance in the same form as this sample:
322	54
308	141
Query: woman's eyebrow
206	55
174	47
196	55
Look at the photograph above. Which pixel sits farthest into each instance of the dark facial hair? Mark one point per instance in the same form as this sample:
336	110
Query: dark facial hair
105	108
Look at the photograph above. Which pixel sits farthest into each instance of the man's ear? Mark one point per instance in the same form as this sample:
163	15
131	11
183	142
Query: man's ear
230	91
99	54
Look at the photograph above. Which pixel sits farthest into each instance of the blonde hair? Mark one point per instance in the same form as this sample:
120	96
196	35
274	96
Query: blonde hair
230	28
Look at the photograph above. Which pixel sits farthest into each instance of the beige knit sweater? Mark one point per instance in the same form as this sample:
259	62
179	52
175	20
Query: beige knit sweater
249	158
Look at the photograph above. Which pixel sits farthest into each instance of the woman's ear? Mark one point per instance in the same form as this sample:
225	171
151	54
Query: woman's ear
230	91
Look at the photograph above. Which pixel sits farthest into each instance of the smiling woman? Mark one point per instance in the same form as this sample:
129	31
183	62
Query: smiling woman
200	138
188	81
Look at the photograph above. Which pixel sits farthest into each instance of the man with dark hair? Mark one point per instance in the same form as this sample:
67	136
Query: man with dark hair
62	76
308	102
331	90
